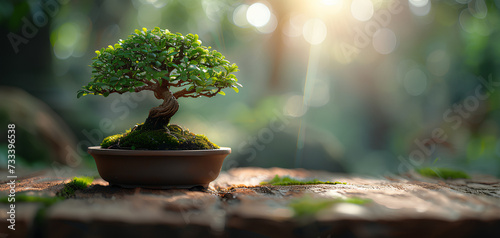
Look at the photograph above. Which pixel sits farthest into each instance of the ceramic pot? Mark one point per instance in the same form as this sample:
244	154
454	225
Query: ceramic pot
159	168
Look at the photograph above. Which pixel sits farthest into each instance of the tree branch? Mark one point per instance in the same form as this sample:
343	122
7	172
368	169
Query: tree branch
124	90
183	92
149	83
192	94
145	87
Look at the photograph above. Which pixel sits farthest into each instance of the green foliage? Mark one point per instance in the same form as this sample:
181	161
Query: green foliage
307	206
286	180
171	138
443	173
151	58
76	183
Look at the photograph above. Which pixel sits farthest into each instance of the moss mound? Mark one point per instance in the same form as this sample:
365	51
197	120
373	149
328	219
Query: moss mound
172	137
443	173
286	180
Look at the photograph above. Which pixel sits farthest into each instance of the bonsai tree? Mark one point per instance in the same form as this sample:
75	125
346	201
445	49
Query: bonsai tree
170	65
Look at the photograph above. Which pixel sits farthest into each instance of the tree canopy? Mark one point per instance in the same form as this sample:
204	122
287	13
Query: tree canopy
157	60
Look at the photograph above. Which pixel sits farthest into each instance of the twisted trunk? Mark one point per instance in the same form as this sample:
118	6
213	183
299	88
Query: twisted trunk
159	117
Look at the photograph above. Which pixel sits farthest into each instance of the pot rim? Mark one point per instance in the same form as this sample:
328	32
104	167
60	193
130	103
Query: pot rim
102	151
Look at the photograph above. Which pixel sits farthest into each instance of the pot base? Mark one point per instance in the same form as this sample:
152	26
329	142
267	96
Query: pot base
128	186
159	169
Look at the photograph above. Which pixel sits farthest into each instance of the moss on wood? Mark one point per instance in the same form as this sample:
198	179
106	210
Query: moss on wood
307	206
286	180
443	173
75	184
32	199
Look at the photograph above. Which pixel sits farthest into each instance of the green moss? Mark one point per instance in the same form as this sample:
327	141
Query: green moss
443	173
111	140
172	137
307	206
75	184
286	180
149	140
35	199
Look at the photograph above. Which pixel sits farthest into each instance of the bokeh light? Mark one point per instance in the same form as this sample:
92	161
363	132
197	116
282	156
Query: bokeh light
295	106
293	27
420	7
155	3
418	3
240	16
331	2
438	63
320	94
67	37
270	26
415	82
362	10
149	16
213	9
314	31
478	9
384	41
258	14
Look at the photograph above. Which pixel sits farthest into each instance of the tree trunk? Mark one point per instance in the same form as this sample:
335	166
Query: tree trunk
159	117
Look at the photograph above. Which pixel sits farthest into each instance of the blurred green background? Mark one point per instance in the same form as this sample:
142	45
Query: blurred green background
363	86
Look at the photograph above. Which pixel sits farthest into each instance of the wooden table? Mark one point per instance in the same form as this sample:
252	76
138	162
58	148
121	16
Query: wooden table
235	205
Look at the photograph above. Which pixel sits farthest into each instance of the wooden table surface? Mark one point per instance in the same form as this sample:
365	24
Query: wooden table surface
235	205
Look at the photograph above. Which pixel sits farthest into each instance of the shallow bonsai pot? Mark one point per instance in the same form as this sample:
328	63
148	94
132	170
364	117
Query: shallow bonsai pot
159	168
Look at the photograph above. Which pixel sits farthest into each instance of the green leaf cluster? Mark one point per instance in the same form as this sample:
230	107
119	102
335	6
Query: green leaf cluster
152	58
